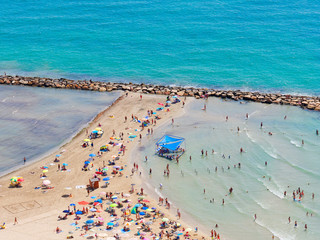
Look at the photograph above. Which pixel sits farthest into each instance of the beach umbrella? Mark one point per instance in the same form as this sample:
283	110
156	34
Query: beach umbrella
64	164
86	140
188	229
46	182
98	129
98	200
95	131
144	208
83	203
161	104
78	212
110	223
145	200
178	233
168	101
142	213
114	197
113	205
98	172
116	167
165	219
106	179
58	155
105	169
93	197
86	162
44	171
141	197
90	221
149	210
138	205
174	97
72	204
100	132
128	224
92	155
134	210
20	179
66	211
93	209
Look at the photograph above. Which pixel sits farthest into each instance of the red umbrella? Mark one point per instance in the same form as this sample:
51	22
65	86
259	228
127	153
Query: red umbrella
98	172
83	203
161	104
145	200
96	203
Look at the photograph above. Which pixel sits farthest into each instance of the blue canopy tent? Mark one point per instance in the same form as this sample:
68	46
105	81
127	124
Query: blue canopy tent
170	147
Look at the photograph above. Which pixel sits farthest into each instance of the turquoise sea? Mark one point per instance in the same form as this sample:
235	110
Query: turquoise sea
259	45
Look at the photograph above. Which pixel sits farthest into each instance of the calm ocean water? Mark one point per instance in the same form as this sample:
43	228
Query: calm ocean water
289	165
259	45
34	121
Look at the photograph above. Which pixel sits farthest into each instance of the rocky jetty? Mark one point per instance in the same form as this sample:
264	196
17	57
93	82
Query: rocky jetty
308	102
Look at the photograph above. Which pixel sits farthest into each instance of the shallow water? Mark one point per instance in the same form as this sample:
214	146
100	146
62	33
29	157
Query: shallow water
289	165
33	121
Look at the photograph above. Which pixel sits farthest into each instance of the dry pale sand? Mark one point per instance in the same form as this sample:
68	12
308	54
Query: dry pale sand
37	210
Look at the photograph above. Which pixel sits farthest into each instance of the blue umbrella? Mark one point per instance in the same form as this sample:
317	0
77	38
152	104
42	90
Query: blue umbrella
110	223
144	208
89	221
72	204
138	205
93	197
168	102
58	155
98	200
64	164
79	212
45	167
92	155
94	131
106	179
114	197
142	213
86	162
66	211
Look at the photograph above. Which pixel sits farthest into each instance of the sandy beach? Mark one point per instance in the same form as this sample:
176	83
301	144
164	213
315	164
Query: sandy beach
36	208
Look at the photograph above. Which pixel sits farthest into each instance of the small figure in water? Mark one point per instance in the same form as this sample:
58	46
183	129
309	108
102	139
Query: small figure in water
285	117
241	150
302	142
261	124
230	190
317	132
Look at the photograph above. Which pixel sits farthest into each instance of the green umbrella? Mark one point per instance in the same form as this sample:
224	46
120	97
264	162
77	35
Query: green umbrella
113	205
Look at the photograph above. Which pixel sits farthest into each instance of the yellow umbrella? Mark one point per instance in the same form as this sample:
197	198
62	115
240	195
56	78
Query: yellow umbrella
44	171
87	140
98	129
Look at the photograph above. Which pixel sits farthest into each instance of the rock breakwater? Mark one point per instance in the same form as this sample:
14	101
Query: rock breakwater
308	102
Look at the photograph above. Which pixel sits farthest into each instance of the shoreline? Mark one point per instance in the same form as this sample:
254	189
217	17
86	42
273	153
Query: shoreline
306	102
59	146
50	203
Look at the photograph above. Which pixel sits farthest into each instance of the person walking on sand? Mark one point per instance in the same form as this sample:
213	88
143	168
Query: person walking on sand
24	160
172	120
15	221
